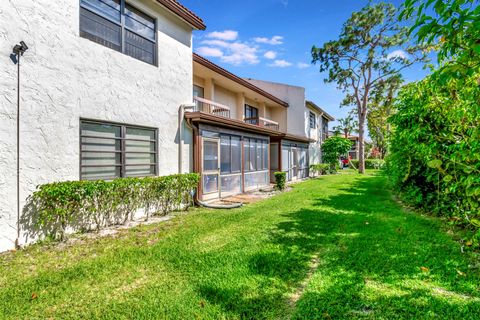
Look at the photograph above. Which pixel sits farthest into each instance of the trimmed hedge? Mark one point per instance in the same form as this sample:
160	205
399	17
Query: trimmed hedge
86	205
371	163
280	180
320	169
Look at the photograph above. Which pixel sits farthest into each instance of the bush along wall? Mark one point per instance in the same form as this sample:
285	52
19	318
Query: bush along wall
435	150
320	169
280	180
86	205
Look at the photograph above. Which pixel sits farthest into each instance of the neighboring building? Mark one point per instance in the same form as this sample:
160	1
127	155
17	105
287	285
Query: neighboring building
318	120
353	153
101	87
307	127
234	123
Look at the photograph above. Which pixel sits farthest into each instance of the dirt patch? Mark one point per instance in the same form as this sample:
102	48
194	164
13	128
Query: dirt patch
254	196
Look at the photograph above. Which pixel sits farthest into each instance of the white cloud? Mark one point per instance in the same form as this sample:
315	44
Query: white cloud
210	52
302	65
216	43
270	55
400	54
239	53
275	40
227	35
235	53
280	64
284	2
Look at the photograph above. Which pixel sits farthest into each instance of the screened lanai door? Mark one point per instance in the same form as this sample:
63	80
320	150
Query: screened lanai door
210	168
222	166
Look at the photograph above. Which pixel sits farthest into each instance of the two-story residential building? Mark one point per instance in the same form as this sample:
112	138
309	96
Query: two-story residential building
234	123
318	120
106	92
101	85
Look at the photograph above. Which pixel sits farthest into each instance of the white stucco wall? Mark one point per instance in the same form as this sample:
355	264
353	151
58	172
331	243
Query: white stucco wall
227	98
65	78
297	113
315	134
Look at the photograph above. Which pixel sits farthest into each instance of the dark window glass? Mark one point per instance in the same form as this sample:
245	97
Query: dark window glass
139	22
100	30
246	154
253	155
236	154
265	155
225	154
198	91
106	8
313	120
110	151
251	114
100	21
259	155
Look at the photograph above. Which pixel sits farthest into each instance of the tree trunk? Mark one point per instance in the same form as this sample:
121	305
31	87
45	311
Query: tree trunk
361	144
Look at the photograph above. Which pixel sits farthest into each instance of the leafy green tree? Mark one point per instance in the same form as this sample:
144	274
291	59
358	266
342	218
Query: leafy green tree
372	47
380	109
347	125
452	27
333	148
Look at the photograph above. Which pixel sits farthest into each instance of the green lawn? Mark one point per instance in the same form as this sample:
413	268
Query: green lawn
336	247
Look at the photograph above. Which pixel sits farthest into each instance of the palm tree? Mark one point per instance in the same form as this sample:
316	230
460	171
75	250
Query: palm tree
346	125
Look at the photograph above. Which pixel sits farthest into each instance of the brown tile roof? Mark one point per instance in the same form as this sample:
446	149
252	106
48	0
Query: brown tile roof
231	76
183	13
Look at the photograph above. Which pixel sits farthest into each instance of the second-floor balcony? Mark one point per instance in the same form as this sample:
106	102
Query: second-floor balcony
262	122
221	110
211	107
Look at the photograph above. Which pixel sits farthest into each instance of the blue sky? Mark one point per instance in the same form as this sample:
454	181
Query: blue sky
271	40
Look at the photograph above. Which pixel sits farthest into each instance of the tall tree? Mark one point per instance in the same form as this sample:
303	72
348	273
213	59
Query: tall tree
372	46
381	107
346	125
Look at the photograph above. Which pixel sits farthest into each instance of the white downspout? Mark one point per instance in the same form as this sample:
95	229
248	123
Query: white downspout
181	114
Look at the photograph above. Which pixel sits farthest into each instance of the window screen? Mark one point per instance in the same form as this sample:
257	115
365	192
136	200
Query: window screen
108	21
110	151
210	155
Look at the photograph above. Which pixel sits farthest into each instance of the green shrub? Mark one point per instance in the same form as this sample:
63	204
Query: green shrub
79	205
320	169
434	162
370	163
333	148
280	180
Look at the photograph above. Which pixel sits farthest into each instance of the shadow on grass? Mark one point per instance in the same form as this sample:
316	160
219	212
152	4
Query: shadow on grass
375	260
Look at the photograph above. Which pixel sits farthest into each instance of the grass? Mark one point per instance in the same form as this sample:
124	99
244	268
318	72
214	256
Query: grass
336	247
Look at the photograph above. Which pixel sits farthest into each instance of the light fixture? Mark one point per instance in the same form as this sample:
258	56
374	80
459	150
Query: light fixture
19	49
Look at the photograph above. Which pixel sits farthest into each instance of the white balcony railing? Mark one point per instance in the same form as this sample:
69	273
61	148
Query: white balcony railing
211	107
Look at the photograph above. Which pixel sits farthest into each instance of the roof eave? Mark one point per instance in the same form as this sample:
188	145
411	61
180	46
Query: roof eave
212	66
185	14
